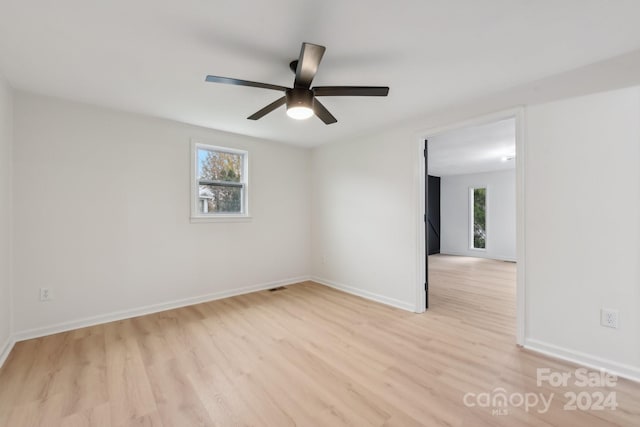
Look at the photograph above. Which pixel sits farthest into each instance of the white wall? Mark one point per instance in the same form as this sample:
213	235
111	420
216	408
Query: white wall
582	230
501	214
6	136
365	216
101	209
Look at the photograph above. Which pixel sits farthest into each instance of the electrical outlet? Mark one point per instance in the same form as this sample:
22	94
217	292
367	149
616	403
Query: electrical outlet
609	318
45	294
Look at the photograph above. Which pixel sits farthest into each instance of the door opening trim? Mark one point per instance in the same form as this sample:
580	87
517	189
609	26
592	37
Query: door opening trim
421	239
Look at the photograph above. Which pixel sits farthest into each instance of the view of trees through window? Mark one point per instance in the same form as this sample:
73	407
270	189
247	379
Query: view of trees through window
220	181
479	218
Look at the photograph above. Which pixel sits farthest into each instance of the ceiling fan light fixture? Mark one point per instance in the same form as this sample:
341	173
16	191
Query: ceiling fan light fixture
299	112
299	103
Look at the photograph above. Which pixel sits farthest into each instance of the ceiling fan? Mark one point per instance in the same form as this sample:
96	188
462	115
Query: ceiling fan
301	98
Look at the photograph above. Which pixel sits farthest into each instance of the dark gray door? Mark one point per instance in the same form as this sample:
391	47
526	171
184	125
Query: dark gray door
433	215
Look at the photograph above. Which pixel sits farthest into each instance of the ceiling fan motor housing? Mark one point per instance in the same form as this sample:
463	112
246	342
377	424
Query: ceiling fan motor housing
299	97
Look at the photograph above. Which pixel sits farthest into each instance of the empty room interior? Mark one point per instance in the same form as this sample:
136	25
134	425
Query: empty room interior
296	213
471	221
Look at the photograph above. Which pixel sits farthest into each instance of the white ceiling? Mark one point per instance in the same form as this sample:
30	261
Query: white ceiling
151	56
473	149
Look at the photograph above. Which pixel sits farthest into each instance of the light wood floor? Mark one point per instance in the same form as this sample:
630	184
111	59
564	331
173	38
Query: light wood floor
307	355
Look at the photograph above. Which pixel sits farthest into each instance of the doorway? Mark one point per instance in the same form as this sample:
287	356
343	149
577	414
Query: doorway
474	224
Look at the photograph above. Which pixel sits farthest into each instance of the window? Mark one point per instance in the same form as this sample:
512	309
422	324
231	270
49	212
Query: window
219	182
478	226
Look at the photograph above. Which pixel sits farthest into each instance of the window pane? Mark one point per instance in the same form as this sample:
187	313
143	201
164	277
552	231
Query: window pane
219	166
219	199
220	182
479	218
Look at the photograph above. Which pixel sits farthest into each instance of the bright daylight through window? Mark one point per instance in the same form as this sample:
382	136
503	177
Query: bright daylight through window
478	202
220	182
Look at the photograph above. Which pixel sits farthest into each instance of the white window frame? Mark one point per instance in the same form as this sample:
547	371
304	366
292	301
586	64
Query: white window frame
472	220
196	216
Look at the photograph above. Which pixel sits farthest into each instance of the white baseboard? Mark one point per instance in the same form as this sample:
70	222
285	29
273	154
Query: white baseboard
6	349
621	370
141	311
479	254
365	294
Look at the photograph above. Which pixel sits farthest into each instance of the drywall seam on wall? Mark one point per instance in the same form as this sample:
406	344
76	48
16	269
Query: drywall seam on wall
6	204
11	234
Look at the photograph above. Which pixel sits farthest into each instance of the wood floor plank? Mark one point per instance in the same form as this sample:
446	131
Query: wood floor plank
176	399
97	416
304	356
130	393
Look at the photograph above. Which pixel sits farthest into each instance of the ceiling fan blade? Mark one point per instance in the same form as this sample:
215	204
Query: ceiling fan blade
237	82
269	108
310	57
351	91
322	113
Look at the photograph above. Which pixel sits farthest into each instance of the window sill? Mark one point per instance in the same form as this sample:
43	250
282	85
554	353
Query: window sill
221	218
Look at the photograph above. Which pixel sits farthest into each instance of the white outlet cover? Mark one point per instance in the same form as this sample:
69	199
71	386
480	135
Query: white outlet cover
609	318
45	294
